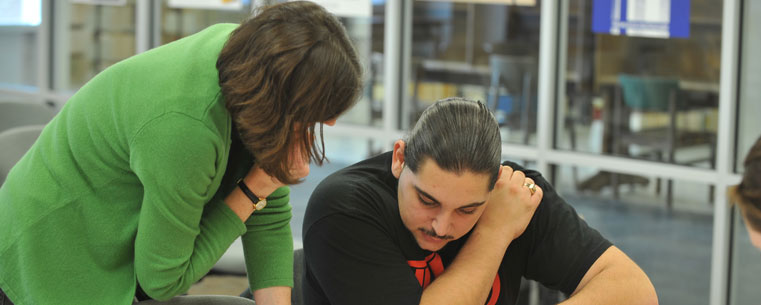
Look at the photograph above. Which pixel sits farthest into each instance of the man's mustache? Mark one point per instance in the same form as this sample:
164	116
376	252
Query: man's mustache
432	233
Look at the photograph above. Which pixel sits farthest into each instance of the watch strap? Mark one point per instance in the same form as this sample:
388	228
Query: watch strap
258	202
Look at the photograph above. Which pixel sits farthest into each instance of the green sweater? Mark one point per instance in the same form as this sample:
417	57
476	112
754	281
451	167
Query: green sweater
126	184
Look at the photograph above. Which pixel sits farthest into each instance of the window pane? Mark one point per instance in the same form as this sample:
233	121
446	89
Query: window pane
93	38
638	96
20	12
365	32
19	21
180	22
18	45
750	82
486	52
367	35
745	272
673	247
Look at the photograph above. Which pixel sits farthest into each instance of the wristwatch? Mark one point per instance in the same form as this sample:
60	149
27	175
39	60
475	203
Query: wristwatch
258	202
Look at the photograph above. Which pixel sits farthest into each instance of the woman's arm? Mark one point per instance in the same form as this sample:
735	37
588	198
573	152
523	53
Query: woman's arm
259	183
180	234
268	244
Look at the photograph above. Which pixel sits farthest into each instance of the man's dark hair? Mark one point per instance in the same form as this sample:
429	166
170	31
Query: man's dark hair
459	135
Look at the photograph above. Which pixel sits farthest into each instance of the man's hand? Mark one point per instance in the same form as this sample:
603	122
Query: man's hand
508	211
511	204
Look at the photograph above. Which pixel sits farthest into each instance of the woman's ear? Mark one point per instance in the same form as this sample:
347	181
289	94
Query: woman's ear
397	160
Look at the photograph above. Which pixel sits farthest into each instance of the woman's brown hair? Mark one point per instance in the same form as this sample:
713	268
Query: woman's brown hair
748	193
287	69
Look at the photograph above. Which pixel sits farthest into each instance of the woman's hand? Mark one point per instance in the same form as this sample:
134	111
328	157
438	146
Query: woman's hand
299	165
273	296
511	204
263	184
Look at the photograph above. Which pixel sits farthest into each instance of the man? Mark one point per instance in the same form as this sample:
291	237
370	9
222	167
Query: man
439	221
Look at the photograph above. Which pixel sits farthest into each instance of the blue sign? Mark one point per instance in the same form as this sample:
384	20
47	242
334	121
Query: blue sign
645	18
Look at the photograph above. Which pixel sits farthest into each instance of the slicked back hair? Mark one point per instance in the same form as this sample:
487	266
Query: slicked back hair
460	135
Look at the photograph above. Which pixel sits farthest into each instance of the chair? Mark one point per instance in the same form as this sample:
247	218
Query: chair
516	75
648	95
298	275
13	114
15	142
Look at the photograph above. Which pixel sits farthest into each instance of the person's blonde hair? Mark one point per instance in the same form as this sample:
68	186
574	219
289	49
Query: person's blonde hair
747	194
287	69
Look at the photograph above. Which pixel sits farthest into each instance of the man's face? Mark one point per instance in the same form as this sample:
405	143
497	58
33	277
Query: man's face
439	206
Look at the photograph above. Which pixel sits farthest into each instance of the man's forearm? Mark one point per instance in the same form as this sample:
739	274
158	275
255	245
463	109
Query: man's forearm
622	282
469	278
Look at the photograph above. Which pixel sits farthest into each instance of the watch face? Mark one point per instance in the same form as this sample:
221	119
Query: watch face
261	204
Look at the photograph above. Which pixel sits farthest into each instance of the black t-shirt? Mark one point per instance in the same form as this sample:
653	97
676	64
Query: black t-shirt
358	251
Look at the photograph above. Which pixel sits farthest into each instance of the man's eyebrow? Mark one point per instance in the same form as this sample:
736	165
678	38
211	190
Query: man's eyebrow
429	197
473	205
421	192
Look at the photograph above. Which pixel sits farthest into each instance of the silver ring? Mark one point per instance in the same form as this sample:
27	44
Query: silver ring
531	187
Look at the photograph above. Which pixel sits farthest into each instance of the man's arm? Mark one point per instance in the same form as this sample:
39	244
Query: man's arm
572	257
469	278
614	279
350	262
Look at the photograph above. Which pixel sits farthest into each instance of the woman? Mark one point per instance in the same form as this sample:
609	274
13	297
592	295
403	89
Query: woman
156	165
747	195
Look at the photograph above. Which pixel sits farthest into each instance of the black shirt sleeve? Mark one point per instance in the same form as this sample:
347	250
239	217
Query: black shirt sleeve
562	247
351	261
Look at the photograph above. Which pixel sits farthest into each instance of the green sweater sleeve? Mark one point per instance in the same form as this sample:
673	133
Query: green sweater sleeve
268	243
179	236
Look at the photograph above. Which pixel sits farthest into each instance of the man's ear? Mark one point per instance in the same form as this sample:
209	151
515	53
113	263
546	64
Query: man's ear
397	160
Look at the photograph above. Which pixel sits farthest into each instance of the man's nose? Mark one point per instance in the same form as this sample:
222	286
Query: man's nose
442	224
